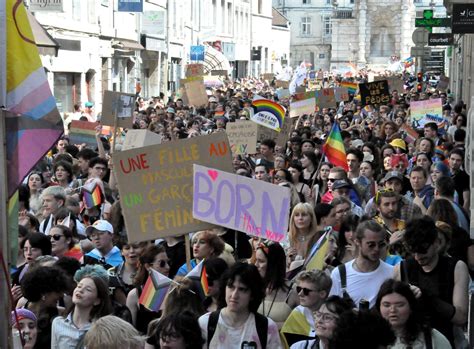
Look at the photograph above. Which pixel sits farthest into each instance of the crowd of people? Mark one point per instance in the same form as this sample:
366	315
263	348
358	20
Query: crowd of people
378	252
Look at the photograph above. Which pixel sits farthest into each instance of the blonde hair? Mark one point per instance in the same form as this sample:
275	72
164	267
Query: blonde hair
111	332
302	207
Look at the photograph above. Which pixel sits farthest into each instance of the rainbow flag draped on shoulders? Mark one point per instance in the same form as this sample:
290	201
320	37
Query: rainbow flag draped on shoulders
155	290
334	148
33	122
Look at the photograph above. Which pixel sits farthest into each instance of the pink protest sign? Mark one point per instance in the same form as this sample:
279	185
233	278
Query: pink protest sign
254	207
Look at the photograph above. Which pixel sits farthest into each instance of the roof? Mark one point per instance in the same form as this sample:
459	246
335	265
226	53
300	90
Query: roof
278	19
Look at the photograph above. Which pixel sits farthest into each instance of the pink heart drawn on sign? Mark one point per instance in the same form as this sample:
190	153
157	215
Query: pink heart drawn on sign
213	174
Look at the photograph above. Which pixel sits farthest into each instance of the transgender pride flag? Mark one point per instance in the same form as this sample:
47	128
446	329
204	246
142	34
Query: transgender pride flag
33	123
155	290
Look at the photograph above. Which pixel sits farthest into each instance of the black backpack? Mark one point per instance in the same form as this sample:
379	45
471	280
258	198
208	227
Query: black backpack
261	323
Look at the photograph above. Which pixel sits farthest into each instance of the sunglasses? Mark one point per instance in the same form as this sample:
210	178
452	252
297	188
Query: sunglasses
56	237
332	179
381	192
306	291
163	263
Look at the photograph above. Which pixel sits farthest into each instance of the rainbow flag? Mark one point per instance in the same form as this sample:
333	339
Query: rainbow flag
92	195
351	87
155	290
268	113
33	123
199	276
334	148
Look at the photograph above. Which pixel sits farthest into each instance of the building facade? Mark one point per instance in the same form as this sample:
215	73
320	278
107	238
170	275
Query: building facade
146	52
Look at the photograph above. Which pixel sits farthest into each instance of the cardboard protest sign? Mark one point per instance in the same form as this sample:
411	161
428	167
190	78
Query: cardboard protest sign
282	84
242	136
254	207
325	98
341	94
118	104
268	113
140	138
83	132
430	110
374	93
195	69
281	137
443	83
268	76
283	93
156	184
196	92
394	83
305	106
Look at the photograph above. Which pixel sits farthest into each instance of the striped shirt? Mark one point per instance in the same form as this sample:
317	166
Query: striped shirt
66	335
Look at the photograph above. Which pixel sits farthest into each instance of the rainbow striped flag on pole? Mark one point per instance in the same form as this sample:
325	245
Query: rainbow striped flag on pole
334	148
155	290
33	122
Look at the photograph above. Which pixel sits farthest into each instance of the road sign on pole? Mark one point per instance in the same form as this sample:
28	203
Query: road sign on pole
420	36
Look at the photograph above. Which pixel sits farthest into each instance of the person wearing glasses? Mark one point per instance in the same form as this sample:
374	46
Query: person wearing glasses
326	323
153	257
312	288
105	253
361	278
440	281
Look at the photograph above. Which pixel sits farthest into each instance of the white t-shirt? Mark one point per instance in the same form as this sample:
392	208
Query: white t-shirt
229	337
361	285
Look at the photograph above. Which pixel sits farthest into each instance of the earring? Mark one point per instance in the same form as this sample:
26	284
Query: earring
43	298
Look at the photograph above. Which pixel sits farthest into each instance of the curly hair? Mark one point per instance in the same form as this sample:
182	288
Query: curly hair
212	239
41	280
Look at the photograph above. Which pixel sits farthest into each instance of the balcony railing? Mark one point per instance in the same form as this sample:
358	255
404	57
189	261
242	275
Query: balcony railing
343	14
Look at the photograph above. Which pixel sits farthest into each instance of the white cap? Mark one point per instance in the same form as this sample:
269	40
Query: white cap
101	225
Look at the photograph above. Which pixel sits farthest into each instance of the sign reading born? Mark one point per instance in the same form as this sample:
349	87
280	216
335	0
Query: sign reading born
156	184
248	205
374	92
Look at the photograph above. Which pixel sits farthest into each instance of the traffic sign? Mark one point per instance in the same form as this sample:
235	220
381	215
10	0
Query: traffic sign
433	22
197	53
420	36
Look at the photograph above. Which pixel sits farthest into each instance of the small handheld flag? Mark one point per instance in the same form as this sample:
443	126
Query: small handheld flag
155	290
334	148
198	274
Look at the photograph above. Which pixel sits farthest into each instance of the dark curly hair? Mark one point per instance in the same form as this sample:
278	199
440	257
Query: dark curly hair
248	275
41	280
420	234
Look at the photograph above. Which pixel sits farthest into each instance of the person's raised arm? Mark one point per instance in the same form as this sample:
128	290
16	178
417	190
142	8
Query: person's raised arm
460	293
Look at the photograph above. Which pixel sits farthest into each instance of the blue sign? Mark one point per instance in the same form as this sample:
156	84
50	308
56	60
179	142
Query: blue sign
197	53
130	6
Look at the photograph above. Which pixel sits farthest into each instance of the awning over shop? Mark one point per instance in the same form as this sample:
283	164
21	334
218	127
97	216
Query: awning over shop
45	42
215	60
126	45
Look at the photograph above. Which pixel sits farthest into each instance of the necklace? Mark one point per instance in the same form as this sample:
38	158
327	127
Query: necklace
271	305
301	238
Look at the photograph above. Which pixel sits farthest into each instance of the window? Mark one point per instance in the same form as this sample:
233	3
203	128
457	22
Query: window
306	26
327	25
328	2
306	2
352	1
322	56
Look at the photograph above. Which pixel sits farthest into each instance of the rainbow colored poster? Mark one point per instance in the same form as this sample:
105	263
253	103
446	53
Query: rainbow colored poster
268	113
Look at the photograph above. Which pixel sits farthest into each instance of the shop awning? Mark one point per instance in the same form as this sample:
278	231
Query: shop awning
45	42
215	60
126	45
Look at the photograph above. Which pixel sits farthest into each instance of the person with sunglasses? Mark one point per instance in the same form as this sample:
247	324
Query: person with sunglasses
312	287
439	281
361	278
62	240
153	257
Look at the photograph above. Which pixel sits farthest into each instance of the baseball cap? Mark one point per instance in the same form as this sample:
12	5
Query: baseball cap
341	183
170	110
101	225
89	104
212	99
393	174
